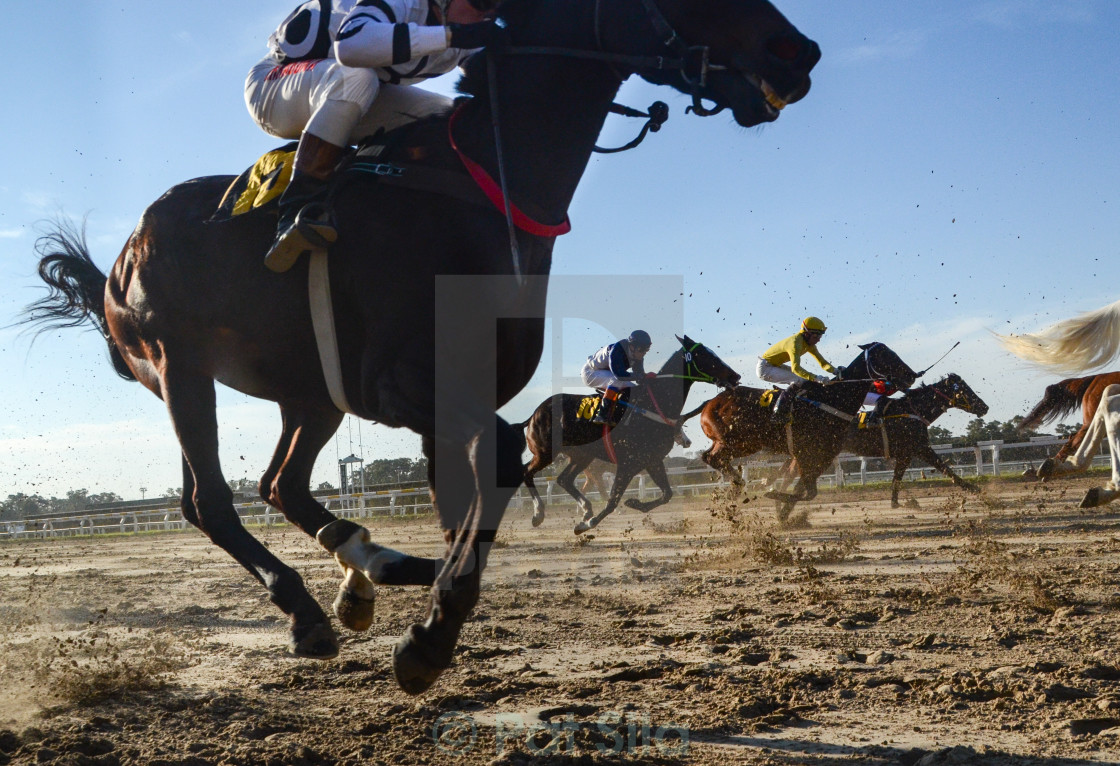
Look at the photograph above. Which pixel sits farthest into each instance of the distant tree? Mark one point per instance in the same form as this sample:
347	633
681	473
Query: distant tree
398	470
325	487
20	506
1066	430
173	492
939	435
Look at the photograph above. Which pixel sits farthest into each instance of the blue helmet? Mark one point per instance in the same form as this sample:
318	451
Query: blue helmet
640	339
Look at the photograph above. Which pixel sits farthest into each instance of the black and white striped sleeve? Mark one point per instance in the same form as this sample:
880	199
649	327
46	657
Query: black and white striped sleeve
371	36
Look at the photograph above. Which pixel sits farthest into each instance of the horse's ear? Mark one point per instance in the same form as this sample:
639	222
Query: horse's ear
683	341
865	346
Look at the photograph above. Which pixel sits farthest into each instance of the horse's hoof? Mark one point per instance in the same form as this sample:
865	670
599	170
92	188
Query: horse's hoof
538	519
582	527
353	611
338	532
414	670
1092	498
314	642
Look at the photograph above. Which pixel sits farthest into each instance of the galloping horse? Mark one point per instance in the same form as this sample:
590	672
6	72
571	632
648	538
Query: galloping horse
640	441
1061	399
188	302
903	433
739	425
1082	343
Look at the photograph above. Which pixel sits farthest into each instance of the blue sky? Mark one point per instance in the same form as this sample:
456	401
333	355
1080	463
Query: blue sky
953	171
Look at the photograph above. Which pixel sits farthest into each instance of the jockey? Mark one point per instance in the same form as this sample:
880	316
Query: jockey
327	64
771	365
608	370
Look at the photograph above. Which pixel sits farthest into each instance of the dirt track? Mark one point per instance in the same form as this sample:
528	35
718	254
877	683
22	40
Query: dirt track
962	631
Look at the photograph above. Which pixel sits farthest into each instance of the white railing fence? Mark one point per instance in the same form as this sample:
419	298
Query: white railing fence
994	458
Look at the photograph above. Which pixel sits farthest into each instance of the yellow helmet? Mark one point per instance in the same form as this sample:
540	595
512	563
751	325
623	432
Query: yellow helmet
812	323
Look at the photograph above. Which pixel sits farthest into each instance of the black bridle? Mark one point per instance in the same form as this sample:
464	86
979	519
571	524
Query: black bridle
691	62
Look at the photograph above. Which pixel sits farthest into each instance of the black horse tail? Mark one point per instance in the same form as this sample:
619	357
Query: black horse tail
1060	400
692	413
76	288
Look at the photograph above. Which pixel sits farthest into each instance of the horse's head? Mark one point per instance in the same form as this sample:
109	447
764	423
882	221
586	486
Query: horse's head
877	361
961	395
702	364
740	54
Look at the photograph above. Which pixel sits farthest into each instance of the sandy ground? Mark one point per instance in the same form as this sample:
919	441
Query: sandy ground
954	630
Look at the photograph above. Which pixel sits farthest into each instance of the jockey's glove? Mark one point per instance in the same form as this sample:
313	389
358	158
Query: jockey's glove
484	34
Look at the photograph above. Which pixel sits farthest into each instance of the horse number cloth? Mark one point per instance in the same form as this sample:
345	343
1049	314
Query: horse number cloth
264	182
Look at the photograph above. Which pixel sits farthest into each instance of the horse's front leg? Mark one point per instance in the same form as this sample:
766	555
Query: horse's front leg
660	477
364	563
939	463
493	464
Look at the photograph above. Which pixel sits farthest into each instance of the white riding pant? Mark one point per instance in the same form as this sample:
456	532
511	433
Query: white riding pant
603	379
1105	424
779	373
338	104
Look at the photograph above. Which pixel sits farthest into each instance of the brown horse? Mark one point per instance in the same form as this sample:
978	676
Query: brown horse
903	433
639	442
739	425
1060	400
434	330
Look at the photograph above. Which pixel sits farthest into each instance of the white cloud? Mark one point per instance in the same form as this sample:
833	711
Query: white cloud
11	233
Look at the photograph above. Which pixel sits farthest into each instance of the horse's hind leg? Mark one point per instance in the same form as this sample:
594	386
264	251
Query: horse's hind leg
536	464
566	480
493	462
191	402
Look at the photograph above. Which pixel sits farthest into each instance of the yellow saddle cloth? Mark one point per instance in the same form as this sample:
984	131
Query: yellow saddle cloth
767	397
587	407
260	184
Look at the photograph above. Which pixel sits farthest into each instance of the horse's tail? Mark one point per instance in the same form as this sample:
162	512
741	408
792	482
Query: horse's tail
1082	343
76	289
1060	400
692	413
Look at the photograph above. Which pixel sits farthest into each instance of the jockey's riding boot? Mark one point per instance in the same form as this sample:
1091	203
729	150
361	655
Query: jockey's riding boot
604	415
779	416
875	417
306	224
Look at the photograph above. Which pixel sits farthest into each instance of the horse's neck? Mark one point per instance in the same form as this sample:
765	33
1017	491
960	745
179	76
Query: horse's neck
927	403
670	387
551	110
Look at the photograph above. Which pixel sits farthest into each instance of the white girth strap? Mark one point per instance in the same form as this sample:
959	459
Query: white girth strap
322	320
886	443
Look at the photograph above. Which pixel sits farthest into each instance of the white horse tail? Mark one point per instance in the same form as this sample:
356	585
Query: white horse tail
1085	342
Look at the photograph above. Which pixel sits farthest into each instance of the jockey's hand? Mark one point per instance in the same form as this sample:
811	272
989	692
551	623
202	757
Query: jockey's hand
823	379
840	372
484	34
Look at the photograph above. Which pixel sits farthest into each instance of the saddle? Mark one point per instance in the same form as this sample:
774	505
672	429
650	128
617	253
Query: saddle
385	158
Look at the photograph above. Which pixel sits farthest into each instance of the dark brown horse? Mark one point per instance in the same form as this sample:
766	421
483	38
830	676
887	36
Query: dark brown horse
739	425
639	442
903	433
1060	400
434	331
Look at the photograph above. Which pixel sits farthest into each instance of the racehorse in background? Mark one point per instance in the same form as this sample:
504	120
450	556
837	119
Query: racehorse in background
739	422
1082	343
188	301
903	431
639	442
1061	399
